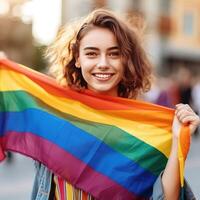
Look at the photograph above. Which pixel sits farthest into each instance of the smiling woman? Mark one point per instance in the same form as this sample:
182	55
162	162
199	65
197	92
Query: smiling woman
104	54
101	61
88	145
114	48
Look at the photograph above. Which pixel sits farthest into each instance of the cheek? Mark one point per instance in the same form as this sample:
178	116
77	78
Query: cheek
119	67
85	71
87	63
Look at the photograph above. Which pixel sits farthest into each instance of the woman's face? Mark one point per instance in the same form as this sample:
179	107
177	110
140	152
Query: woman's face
100	61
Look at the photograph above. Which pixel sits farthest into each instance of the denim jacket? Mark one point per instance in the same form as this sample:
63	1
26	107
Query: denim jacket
43	178
42	183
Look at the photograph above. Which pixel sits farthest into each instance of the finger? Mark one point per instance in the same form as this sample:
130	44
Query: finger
183	113
184	109
190	119
187	107
183	106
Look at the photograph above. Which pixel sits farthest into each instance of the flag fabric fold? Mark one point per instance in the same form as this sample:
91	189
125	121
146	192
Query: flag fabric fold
110	147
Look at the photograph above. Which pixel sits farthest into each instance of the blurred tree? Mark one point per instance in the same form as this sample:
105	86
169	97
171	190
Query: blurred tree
39	63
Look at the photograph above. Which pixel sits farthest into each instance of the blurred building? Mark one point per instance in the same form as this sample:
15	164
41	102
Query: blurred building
173	37
15	36
182	38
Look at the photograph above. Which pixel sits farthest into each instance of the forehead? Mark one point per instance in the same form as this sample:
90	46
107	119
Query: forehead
98	37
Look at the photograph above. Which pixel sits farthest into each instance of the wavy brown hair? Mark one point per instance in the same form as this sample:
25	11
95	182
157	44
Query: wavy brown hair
63	53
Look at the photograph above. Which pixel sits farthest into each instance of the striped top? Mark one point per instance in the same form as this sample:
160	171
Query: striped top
65	191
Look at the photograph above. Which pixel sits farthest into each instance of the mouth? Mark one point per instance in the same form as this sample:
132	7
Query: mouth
102	76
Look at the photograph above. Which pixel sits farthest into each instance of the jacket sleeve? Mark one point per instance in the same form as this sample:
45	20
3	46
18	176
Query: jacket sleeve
158	192
42	183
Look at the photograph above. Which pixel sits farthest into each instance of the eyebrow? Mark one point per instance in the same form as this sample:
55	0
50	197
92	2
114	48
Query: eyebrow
97	49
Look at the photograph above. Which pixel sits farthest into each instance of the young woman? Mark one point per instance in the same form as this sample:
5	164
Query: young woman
104	54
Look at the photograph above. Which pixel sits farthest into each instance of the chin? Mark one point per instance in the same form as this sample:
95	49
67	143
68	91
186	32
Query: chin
104	91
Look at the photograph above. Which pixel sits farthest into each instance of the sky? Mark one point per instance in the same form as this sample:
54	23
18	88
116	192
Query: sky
46	19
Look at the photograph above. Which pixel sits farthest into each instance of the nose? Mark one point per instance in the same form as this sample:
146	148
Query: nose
103	62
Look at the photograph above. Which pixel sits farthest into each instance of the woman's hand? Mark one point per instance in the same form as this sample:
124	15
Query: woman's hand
2	55
184	115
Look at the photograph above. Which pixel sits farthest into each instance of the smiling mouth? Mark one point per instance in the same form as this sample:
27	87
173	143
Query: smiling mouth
103	76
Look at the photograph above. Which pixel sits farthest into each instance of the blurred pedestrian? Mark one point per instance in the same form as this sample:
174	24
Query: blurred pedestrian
159	93
184	78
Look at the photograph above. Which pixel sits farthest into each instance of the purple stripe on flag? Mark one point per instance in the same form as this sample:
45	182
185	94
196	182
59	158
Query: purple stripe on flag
55	158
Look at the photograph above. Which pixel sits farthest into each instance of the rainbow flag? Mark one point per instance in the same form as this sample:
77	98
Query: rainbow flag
110	147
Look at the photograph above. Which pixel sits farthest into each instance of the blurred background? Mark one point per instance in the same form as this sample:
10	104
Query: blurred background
171	40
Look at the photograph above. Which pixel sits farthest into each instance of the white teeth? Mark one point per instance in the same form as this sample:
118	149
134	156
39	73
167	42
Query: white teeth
102	75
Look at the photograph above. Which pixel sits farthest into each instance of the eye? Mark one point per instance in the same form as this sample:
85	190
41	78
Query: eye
114	54
91	54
